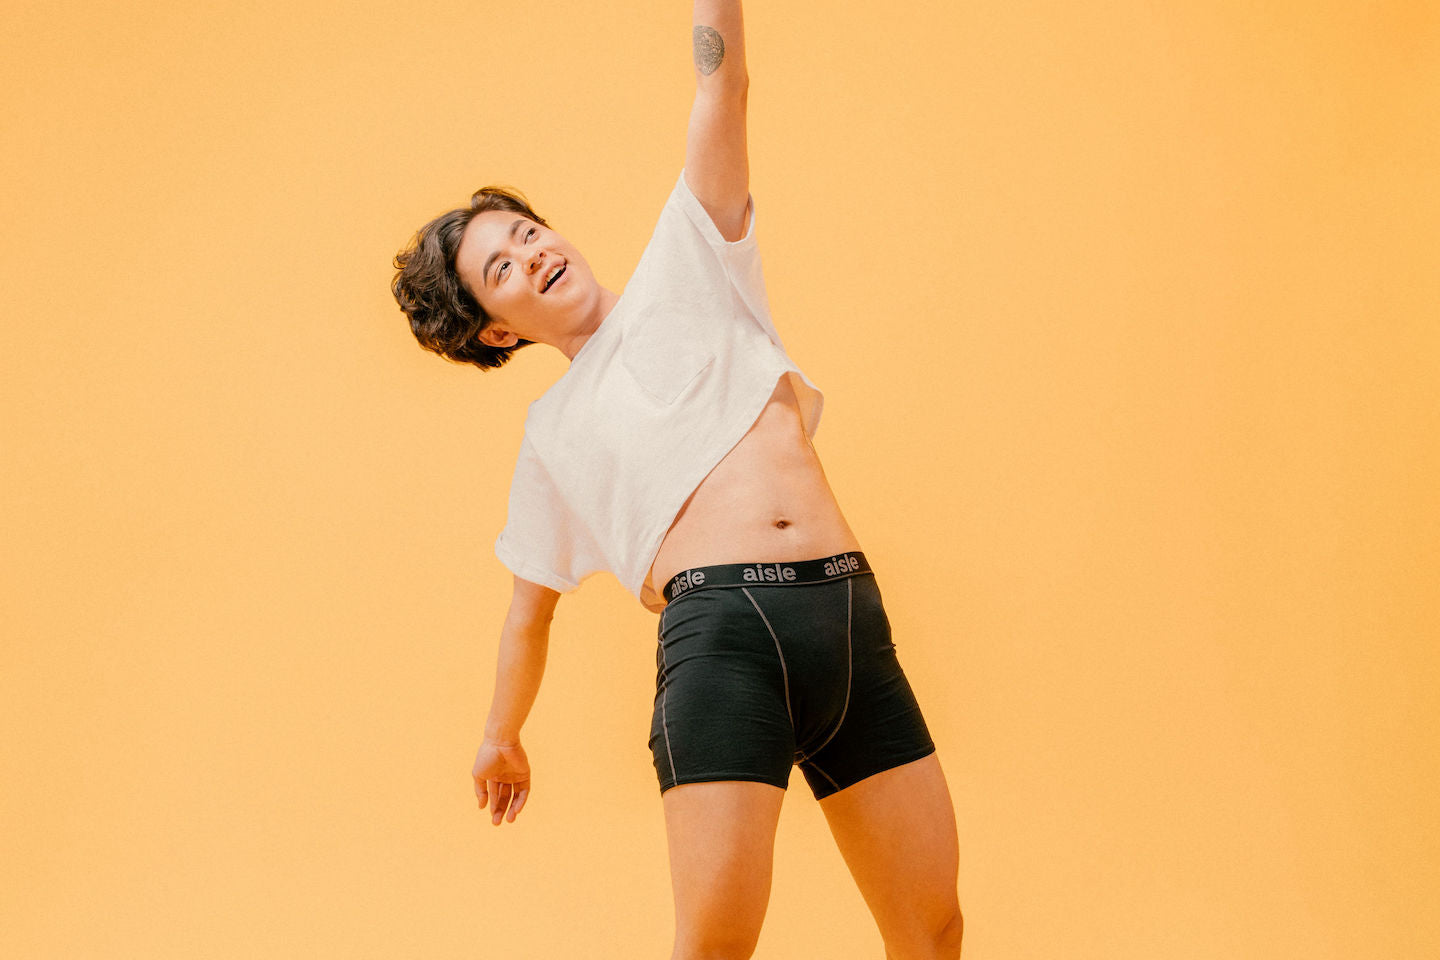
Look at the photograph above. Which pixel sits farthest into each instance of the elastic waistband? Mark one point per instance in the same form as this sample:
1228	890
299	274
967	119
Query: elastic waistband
767	574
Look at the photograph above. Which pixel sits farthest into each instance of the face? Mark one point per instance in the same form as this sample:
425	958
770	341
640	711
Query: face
506	261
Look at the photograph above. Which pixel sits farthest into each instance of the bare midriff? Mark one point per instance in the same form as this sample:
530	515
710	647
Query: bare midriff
766	501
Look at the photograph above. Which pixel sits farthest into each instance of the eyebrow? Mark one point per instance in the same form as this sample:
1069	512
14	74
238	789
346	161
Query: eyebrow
485	273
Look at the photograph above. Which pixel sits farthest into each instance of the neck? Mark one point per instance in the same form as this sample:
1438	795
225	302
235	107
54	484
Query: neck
604	302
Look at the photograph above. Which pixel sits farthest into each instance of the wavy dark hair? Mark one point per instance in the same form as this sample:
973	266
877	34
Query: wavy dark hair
444	316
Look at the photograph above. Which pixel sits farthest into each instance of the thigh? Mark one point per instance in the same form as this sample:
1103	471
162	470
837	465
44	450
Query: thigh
721	837
721	709
896	831
880	724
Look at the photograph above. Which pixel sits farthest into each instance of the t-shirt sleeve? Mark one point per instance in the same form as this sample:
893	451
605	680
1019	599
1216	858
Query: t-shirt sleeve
542	540
741	258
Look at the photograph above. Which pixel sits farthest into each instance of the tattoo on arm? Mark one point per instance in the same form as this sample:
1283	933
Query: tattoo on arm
709	50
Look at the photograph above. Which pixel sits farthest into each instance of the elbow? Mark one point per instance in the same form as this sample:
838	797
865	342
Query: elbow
734	88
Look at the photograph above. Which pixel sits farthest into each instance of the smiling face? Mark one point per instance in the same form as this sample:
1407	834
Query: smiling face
529	279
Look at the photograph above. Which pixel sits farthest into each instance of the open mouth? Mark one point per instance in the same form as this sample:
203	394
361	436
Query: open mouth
555	273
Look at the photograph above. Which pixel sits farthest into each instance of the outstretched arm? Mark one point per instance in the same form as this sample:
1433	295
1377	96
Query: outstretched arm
502	771
717	164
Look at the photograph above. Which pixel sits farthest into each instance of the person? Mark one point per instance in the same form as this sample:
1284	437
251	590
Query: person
676	450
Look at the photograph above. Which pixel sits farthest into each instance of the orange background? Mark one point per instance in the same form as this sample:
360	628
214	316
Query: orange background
1126	316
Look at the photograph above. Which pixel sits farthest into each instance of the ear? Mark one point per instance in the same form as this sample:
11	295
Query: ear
497	336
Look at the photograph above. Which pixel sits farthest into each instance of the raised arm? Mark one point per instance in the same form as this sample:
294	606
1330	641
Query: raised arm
717	164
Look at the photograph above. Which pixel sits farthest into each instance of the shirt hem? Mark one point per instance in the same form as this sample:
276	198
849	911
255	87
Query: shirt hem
528	571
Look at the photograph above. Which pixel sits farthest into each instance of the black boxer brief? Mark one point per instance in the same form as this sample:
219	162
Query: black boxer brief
761	666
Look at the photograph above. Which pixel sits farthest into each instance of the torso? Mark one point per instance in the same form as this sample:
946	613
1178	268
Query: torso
766	501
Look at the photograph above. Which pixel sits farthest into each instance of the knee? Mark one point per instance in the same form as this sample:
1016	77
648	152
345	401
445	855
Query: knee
938	939
702	953
720	946
947	944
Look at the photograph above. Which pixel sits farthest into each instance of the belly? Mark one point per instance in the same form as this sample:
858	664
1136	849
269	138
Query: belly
766	501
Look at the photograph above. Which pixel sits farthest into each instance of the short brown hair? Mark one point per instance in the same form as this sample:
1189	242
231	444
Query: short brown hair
444	316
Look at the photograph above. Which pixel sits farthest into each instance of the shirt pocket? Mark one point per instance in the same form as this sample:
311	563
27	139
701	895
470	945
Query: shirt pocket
663	353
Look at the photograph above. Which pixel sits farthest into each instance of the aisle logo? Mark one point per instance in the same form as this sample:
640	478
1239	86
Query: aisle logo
846	563
684	581
774	572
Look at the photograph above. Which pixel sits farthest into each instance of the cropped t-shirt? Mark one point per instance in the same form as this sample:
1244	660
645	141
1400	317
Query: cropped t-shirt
670	381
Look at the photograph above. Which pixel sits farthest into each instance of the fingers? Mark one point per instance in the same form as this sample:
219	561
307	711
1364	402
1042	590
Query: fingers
499	800
505	799
520	796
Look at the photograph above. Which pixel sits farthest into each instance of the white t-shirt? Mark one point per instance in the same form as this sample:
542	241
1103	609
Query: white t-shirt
676	374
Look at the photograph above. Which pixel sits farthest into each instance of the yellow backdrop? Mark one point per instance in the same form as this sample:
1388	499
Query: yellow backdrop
1128	318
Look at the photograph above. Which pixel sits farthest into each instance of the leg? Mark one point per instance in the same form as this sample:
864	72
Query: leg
721	836
896	831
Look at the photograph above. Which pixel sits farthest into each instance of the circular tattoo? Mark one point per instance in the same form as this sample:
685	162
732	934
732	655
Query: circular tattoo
709	49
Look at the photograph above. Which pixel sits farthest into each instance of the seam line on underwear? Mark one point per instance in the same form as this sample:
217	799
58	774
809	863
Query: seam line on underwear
784	674
664	698
825	775
849	671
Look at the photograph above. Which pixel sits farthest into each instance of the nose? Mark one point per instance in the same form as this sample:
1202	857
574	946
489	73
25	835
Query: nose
536	260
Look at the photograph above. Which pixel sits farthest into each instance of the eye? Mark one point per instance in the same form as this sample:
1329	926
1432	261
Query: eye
529	233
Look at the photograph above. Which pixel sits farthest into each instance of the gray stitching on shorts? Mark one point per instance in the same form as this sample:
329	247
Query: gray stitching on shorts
825	775
784	674
664	698
849	673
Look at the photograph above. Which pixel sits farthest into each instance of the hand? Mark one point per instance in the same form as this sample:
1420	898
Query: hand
502	775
